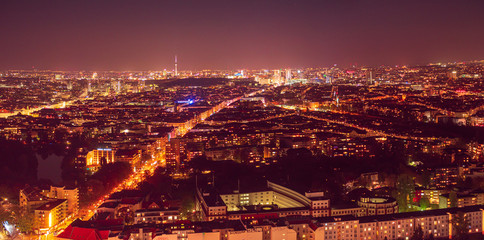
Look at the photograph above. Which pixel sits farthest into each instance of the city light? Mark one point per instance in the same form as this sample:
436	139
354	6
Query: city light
241	120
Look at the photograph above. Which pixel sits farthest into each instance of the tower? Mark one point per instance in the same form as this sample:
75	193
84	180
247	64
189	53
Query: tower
176	66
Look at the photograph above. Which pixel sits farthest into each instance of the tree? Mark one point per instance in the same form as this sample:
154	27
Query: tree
112	174
103	161
425	178
25	222
453	199
5	216
460	225
60	134
417	233
126	214
404	190
430	237
424	203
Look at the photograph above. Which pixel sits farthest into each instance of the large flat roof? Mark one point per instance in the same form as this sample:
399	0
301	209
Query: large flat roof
51	205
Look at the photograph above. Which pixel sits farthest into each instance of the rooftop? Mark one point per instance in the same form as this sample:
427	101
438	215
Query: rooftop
51	205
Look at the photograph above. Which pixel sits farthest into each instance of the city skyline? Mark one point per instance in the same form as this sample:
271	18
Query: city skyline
174	68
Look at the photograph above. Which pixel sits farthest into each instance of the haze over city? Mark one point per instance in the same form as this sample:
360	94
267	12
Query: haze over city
213	34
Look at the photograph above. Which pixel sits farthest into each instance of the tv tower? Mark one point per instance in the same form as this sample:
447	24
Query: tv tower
176	66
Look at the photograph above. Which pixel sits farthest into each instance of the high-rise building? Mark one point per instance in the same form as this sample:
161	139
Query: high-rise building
95	157
276	78
71	194
453	75
49	206
50	214
288	75
370	78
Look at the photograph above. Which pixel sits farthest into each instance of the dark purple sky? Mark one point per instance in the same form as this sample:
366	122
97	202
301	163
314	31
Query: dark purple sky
234	34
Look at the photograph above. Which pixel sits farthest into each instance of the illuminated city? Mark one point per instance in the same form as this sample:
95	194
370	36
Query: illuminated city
234	140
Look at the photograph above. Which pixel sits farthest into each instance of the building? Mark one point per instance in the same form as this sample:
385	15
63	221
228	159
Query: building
444	177
433	195
349	210
175	151
210	205
462	200
50	214
271	201
70	194
131	156
344	228
100	230
396	226
348	147
95	158
204	236
437	223
31	198
255	234
156	215
282	233
370	180
476	150
378	205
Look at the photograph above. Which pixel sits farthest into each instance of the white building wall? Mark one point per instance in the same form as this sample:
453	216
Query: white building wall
166	237
283	233
245	235
347	230
204	236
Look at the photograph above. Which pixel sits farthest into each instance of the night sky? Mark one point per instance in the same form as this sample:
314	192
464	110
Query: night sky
235	34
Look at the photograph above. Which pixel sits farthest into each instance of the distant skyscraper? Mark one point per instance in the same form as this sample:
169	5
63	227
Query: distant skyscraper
334	92
453	75
69	85
276	79
370	78
288	75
